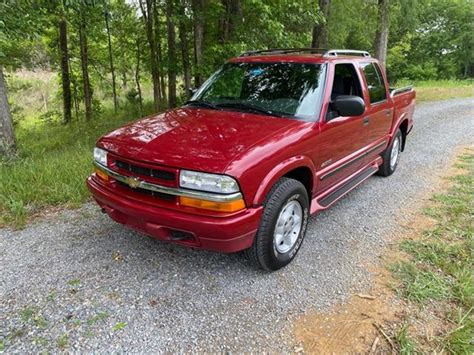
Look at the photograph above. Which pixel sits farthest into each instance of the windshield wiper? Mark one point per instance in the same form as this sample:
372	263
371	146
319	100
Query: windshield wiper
202	103
249	107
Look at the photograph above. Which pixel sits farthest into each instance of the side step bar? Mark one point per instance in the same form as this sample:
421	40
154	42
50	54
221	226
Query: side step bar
356	180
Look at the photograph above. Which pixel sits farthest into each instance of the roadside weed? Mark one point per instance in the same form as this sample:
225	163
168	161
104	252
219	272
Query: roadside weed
99	316
62	341
119	326
405	343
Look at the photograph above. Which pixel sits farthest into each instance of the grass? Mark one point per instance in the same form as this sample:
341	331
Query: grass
406	344
437	276
53	163
434	90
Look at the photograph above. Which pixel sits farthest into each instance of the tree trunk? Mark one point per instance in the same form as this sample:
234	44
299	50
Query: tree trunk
85	69
137	78
111	59
148	17
159	54
381	36
228	22
198	7
74	90
183	39
171	54
65	79
320	30
7	137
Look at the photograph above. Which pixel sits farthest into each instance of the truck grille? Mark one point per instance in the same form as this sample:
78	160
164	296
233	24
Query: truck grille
159	195
140	170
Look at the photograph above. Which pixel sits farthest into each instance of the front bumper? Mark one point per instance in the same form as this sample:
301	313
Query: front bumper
223	234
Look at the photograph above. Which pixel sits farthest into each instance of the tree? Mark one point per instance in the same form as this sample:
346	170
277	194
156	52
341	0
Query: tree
7	137
232	15
171	54
147	9
85	66
198	9
65	79
137	75
111	58
320	31
183	41
381	35
159	54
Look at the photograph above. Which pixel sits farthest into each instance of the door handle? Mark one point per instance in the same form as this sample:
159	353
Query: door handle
388	112
366	121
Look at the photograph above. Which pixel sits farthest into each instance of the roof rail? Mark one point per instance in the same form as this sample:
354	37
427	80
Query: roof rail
283	51
323	52
337	52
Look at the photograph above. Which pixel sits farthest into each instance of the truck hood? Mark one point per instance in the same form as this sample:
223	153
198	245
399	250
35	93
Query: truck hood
194	138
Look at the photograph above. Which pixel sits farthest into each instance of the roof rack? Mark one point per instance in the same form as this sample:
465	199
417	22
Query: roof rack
323	52
337	52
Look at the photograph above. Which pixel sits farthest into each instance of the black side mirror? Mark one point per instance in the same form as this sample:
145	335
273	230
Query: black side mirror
348	105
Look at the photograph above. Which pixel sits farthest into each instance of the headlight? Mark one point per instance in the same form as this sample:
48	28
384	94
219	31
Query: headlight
100	156
207	182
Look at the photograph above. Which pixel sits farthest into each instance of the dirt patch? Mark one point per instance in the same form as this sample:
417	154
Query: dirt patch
368	322
356	327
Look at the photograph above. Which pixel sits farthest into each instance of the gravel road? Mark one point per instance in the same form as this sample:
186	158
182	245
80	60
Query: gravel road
78	281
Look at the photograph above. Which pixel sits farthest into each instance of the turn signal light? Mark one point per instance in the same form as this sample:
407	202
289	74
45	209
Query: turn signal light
230	206
101	174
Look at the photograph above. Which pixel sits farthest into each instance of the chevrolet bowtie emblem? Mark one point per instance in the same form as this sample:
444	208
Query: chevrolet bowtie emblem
133	182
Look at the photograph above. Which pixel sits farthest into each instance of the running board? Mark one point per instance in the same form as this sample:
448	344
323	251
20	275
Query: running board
356	180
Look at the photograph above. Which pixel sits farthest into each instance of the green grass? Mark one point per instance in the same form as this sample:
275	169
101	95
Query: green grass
440	263
119	326
434	90
406	345
52	165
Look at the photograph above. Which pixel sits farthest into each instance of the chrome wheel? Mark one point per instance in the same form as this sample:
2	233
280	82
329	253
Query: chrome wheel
395	153
288	227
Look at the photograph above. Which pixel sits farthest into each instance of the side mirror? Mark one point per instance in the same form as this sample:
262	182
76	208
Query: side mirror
348	105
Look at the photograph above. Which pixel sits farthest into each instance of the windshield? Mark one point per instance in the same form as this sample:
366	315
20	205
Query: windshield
280	89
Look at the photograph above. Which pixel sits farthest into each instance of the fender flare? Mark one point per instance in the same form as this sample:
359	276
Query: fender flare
403	117
280	170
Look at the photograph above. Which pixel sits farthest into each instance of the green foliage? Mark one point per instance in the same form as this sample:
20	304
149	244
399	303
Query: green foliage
432	41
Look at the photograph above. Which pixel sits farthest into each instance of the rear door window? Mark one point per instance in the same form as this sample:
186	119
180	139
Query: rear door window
375	82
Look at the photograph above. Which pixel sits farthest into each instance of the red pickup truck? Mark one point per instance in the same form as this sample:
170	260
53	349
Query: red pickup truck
272	137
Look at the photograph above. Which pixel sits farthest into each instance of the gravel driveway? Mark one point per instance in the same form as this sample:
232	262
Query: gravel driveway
78	281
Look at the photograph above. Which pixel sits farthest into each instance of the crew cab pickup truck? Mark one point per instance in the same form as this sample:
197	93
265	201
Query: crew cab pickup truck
272	137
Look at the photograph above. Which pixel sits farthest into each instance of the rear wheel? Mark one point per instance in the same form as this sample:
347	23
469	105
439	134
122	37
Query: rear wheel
391	156
283	225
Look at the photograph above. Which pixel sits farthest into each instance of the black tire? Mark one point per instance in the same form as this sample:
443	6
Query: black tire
263	253
387	169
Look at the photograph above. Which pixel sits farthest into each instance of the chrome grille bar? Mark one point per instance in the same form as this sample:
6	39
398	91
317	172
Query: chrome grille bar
137	183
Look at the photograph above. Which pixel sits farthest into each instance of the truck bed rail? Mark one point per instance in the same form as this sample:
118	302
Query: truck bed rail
396	91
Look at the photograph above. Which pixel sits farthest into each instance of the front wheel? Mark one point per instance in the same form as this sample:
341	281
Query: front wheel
283	225
391	156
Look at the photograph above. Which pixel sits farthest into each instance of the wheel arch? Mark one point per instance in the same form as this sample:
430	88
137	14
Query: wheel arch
300	168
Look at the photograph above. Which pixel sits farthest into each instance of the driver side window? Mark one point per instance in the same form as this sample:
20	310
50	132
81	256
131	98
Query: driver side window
345	82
